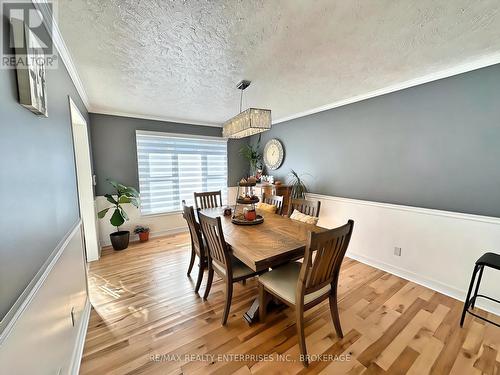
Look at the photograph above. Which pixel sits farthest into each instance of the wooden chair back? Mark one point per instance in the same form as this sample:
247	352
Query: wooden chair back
274	199
330	248
218	251
208	199
307	207
194	229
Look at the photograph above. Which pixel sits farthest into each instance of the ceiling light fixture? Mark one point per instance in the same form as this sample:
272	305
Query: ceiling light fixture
249	122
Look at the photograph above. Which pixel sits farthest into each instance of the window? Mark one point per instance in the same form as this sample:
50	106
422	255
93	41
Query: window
172	167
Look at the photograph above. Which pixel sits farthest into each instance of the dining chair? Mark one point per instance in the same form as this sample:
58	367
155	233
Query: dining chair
307	207
220	260
198	245
208	199
275	200
304	285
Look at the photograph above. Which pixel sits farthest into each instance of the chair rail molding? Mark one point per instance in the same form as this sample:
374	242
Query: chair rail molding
50	322
27	296
419	210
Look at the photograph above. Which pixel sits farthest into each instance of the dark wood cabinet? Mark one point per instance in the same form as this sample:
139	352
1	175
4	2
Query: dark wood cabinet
280	190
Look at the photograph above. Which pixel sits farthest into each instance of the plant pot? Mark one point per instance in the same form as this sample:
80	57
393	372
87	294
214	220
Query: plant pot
143	236
120	239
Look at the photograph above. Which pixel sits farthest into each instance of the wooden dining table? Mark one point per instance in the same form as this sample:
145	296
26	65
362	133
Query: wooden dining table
278	240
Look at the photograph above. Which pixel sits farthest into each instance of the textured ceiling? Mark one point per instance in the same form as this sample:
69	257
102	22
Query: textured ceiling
182	59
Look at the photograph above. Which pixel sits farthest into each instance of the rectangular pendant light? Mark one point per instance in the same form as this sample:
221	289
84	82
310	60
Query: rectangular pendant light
249	122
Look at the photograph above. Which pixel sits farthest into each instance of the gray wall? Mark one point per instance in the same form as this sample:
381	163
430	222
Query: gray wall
436	145
115	153
37	180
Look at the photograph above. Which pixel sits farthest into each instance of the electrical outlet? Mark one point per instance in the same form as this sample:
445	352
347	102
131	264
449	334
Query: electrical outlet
397	251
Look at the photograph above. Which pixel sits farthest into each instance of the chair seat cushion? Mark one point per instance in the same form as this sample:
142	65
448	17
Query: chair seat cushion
299	216
240	269
282	281
267	207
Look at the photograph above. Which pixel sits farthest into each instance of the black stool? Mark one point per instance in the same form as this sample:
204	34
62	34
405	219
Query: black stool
487	260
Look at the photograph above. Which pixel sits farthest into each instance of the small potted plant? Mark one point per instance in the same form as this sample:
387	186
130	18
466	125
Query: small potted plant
123	195
299	189
253	156
143	233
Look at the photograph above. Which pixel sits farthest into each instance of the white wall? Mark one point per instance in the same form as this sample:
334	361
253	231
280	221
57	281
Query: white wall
42	339
159	225
439	248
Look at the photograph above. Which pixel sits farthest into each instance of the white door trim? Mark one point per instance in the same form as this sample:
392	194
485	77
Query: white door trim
81	146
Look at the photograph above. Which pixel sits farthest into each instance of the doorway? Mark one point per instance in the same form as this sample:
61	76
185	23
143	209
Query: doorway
85	184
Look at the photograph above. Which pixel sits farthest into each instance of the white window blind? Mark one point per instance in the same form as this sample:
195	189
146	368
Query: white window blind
172	167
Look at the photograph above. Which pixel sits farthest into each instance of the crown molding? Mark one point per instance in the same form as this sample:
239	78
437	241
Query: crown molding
62	49
482	62
154	118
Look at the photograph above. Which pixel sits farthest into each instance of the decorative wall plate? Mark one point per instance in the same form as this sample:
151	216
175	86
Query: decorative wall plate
273	154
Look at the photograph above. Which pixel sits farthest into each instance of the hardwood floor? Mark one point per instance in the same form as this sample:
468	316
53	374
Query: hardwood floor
147	320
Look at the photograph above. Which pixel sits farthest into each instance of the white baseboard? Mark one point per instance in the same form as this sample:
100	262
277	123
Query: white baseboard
435	285
167	232
159	233
80	343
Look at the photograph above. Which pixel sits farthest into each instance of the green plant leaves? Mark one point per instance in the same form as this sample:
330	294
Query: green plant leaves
110	198
299	189
124	214
125	194
113	183
103	213
131	192
124	190
252	155
124	199
117	219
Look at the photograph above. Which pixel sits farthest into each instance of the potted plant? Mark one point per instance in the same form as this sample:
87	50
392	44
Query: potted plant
253	155
299	189
123	195
143	233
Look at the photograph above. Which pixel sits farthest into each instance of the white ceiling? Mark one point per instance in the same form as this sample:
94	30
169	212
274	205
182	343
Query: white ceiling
180	60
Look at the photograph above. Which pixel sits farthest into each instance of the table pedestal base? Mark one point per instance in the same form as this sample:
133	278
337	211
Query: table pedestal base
252	314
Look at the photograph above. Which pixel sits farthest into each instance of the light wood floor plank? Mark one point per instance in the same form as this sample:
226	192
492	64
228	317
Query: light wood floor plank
146	319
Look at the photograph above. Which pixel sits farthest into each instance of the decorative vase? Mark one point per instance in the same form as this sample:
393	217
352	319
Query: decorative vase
249	214
120	239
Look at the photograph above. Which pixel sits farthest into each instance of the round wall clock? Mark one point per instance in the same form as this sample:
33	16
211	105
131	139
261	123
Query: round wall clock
273	154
